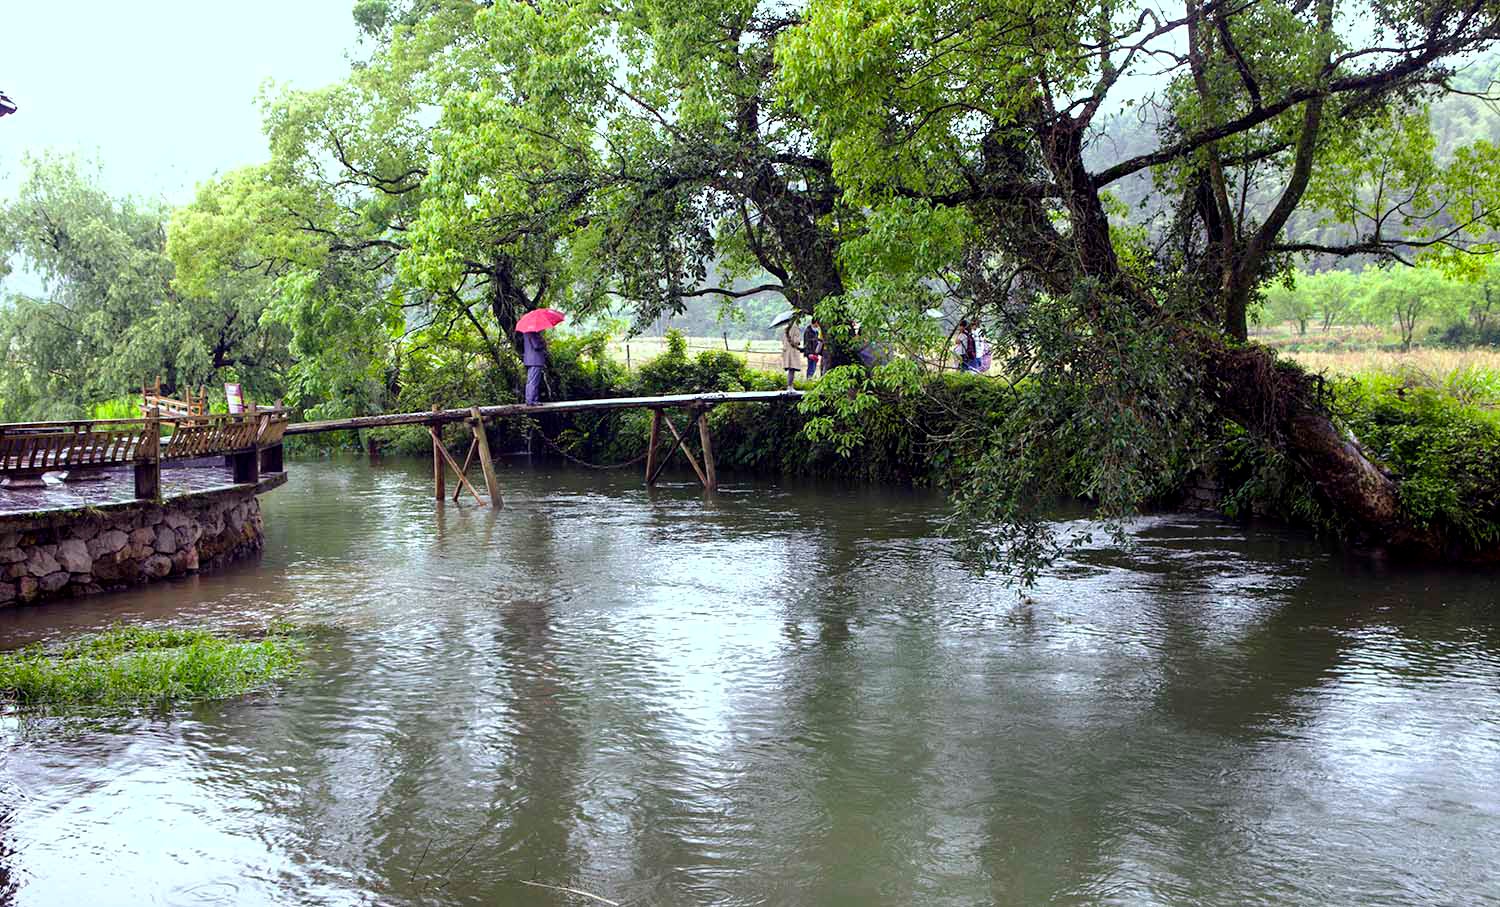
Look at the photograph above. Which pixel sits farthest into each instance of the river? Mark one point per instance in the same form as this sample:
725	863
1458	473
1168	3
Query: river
789	694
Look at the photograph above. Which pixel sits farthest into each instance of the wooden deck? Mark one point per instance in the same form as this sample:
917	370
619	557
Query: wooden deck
90	450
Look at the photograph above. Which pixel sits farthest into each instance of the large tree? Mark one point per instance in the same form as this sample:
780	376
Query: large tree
1136	338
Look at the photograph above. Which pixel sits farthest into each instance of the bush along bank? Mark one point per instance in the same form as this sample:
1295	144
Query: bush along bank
1443	445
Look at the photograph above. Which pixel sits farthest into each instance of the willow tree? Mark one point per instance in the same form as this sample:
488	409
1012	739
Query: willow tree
1135	338
109	313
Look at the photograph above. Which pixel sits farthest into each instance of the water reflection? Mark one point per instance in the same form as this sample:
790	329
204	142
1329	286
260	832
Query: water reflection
792	696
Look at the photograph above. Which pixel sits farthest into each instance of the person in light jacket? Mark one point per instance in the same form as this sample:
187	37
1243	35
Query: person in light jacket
791	353
534	356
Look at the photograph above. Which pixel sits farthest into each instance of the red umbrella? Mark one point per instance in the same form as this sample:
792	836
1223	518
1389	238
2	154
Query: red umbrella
538	320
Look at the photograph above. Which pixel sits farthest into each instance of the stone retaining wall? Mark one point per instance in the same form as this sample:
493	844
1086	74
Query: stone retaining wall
61	554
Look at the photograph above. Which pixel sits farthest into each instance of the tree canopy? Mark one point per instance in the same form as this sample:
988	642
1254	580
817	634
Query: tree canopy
1110	189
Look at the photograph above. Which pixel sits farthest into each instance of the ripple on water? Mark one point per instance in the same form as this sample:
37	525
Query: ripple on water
789	694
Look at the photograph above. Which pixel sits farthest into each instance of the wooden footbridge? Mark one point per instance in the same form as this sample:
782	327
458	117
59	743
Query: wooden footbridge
251	442
694	407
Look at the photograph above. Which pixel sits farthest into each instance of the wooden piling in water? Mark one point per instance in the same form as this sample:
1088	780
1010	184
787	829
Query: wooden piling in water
438	483
711	478
491	481
651	449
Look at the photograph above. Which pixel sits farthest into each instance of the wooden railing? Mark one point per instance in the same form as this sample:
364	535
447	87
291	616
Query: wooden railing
250	442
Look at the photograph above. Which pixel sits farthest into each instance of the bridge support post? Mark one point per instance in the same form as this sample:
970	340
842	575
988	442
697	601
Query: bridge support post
482	441
686	452
246	466
272	459
710	476
651	448
148	462
437	459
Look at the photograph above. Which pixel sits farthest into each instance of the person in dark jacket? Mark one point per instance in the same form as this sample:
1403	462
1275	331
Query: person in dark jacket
534	356
812	347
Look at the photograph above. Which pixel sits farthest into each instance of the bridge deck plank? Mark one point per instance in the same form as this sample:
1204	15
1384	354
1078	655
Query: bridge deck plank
442	417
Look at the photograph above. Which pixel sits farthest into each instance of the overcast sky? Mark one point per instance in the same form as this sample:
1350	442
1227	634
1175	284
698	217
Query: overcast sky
161	92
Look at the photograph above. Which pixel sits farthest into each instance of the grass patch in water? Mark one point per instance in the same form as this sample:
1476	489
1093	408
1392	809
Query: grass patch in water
133	666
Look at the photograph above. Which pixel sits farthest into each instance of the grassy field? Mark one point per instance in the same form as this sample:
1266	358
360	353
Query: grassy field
759	354
1472	375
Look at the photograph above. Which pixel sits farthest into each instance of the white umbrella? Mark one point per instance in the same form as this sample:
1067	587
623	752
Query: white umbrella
784	317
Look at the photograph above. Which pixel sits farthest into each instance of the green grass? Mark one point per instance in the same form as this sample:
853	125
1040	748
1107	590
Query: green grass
128	667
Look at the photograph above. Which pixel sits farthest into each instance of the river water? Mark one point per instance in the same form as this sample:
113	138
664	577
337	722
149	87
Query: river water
789	694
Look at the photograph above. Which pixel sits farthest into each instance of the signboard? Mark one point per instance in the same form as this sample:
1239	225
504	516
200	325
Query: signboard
235	398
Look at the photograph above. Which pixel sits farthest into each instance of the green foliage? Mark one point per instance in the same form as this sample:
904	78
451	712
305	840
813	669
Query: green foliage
1408	295
132	667
1446	453
111	316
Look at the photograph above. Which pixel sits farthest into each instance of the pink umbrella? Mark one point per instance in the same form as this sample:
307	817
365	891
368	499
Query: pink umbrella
538	320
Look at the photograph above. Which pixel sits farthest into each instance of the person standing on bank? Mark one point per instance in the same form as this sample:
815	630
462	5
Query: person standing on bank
791	353
812	347
534	348
966	347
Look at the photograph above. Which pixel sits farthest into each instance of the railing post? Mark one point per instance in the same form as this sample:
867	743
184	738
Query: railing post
148	465
247	466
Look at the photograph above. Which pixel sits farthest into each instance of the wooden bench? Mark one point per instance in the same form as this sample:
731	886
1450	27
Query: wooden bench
154	402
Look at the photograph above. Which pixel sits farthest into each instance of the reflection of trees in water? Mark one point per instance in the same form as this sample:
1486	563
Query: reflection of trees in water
536	740
842	781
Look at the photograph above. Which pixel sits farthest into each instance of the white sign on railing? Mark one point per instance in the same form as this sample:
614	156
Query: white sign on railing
235	397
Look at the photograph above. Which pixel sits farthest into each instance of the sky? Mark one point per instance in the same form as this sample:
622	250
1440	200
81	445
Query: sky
162	93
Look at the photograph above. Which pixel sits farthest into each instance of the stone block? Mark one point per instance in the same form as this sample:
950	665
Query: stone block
41	562
144	536
73	556
7	593
166	540
157	566
16	570
27	588
86	530
108	542
114	567
185	560
53	582
12	555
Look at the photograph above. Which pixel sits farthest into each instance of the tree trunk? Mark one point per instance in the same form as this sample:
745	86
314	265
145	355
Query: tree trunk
1282	405
508	301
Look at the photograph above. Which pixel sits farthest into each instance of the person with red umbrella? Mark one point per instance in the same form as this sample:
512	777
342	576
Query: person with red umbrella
534	348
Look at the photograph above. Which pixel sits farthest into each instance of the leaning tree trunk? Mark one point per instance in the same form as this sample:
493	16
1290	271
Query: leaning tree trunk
1282	405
